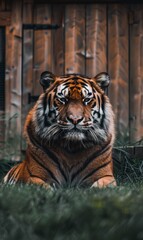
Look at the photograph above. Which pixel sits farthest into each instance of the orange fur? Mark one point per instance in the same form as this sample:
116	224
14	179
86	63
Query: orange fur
64	162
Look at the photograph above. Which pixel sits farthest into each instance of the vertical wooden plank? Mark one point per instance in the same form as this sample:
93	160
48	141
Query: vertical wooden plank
58	39
75	39
5	5
28	13
5	15
27	57
2	87
42	45
5	18
13	63
7	78
136	72
17	18
2	5
16	63
8	5
27	84
13	77
27	54
96	39
8	69
118	65
27	65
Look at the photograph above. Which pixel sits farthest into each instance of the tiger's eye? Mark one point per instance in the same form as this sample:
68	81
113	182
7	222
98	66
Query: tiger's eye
63	100
87	100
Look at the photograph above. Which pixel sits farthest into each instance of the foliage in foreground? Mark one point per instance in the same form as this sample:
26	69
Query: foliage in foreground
34	213
31	212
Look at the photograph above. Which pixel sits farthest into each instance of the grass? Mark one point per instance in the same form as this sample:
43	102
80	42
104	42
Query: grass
29	212
32	213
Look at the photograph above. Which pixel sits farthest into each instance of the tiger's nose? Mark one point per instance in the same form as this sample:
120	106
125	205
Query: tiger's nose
74	119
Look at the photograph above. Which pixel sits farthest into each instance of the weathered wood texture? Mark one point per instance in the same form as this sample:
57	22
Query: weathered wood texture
91	38
2	85
13	65
27	12
96	39
27	85
136	72
27	64
16	58
5	18
75	39
58	39
13	73
118	64
42	44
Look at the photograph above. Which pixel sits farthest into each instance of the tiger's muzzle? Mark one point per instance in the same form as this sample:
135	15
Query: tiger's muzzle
74	117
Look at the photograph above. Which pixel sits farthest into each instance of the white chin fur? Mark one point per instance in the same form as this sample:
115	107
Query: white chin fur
74	136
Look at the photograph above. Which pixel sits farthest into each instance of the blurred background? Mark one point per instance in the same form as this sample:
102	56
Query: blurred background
64	38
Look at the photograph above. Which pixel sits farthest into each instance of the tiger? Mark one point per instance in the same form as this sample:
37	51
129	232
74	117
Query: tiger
70	133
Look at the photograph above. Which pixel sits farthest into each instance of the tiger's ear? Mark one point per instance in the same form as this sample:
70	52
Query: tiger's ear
46	79
103	80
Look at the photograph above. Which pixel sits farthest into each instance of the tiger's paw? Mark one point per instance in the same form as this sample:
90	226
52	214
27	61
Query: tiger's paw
105	182
40	182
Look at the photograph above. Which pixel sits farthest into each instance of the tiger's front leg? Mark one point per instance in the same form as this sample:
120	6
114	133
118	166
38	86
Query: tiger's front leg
39	181
108	181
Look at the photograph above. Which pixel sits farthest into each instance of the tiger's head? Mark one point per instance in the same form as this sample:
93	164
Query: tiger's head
73	111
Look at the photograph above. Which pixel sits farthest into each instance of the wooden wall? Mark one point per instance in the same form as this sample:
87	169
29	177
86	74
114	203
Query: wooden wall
91	38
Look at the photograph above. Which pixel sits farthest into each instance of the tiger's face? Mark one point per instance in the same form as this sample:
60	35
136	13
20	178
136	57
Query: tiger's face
76	103
73	110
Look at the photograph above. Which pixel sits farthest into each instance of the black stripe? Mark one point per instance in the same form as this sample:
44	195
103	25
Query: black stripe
84	85
73	78
47	169
83	79
49	100
98	113
64	89
94	104
68	81
95	170
66	84
12	173
33	175
64	76
103	109
45	102
44	107
48	152
55	160
99	105
90	159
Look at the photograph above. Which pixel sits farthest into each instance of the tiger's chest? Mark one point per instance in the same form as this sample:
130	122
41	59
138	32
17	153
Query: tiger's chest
79	170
